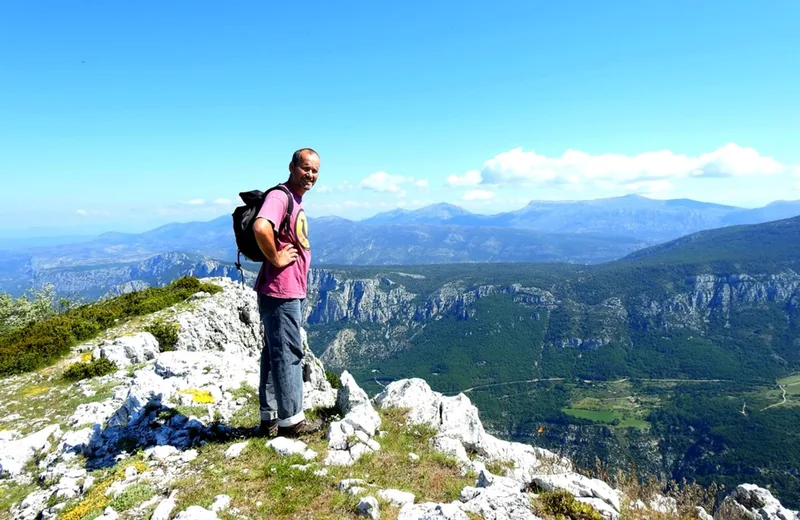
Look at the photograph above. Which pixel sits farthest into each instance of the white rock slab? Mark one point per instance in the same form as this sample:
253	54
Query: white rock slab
15	454
396	497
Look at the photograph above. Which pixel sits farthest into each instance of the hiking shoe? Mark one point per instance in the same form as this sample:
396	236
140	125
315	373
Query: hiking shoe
303	427
268	428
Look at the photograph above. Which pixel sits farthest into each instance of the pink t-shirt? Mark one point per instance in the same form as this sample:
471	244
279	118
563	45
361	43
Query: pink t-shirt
289	281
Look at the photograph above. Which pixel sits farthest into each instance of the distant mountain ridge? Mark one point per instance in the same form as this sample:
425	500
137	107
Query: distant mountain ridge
646	219
582	232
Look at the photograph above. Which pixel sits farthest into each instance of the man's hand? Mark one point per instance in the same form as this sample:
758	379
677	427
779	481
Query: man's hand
285	256
265	236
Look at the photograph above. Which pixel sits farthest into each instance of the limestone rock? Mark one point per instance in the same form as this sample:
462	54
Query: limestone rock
396	497
456	418
234	450
221	503
702	514
161	452
355	405
130	350
164	508
750	502
431	511
317	391
15	454
352	437
32	505
368	506
286	446
580	486
227	321
196	513
497	498
148	389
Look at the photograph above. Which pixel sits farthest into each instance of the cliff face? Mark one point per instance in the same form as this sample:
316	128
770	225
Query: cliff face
711	296
338	300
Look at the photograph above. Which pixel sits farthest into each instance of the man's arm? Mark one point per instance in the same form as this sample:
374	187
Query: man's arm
265	237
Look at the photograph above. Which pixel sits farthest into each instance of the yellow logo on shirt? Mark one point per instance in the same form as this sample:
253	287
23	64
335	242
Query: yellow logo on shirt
301	230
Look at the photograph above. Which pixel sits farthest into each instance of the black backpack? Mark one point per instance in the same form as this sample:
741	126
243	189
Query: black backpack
245	216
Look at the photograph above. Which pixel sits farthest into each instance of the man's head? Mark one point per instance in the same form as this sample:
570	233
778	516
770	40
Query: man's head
303	170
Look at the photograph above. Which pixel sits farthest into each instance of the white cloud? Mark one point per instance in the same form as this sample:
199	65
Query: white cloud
222	202
471	178
478	195
575	167
388	183
91	213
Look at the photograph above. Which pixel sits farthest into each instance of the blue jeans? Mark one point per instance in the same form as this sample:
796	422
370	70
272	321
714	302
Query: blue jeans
280	390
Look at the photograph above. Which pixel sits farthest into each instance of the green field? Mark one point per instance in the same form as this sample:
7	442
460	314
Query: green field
791	380
592	415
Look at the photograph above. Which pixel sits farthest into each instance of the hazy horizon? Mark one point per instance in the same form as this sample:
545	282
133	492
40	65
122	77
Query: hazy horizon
88	232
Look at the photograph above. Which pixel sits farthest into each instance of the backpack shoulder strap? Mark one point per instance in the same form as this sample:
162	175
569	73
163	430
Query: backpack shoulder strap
285	223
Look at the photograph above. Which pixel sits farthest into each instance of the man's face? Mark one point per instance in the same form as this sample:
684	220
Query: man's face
304	173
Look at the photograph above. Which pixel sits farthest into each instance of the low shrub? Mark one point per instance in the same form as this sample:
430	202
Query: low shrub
561	505
132	496
86	370
42	342
166	333
333	379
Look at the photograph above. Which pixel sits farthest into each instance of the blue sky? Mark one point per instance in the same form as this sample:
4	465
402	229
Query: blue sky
128	115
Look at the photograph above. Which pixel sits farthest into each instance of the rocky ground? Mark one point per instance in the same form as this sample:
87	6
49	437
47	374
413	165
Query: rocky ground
172	435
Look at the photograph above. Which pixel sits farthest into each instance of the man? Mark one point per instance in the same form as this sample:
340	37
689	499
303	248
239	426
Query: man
281	289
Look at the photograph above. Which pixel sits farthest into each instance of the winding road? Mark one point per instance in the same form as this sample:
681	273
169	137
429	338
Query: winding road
783	388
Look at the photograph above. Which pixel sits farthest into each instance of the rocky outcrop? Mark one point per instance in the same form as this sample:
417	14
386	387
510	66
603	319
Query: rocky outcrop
750	502
129	350
14	455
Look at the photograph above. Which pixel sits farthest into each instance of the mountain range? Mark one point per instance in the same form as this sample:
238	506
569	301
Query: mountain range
581	232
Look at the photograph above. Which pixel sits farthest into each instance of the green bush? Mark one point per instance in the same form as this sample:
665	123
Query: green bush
44	341
333	379
94	368
166	333
132	496
561	505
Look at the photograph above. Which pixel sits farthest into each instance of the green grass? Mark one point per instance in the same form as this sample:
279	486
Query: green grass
12	493
132	496
36	397
791	380
592	415
262	484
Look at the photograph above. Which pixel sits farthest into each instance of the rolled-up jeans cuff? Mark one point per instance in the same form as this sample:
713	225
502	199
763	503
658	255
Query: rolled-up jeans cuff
291	421
269	416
